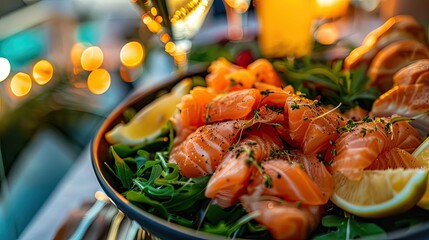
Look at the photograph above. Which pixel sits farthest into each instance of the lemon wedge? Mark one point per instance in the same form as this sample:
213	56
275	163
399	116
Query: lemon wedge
147	124
380	193
422	155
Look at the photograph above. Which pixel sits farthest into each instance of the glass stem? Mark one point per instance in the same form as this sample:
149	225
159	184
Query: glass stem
181	55
235	23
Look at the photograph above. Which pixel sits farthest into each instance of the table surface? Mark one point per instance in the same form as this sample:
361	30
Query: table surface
79	185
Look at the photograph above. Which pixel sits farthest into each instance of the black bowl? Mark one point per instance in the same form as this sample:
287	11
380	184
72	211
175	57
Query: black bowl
151	223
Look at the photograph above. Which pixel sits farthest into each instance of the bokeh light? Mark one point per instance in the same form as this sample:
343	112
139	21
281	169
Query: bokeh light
91	58
43	72
4	68
327	34
20	85
76	54
152	25
132	54
165	37
99	81
170	47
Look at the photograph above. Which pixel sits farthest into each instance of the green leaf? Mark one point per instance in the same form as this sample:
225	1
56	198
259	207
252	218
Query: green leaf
123	171
187	195
347	228
124	150
140	197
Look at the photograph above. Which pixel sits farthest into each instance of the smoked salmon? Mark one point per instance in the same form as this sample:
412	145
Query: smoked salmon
408	101
311	126
287	180
364	143
231	178
202	151
415	73
285	220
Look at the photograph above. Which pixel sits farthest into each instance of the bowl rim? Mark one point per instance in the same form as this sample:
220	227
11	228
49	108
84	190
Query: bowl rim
176	231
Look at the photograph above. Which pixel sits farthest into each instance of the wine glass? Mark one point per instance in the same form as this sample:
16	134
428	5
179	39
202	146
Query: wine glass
236	13
175	22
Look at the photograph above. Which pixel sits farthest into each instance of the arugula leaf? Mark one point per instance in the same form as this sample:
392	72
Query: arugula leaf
187	195
155	206
123	171
345	228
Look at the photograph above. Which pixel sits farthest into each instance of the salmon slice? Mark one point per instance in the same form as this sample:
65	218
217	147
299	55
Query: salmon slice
284	220
415	73
218	70
311	126
368	142
240	79
202	151
316	170
265	72
286	180
391	59
395	158
408	101
274	97
193	106
202	106
230	179
233	105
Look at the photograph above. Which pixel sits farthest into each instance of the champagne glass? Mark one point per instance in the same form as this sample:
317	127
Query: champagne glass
175	22
236	13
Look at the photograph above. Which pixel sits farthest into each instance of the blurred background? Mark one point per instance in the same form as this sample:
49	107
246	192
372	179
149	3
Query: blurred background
66	64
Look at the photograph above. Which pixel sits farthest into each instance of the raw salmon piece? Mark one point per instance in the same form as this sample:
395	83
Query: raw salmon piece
265	72
240	79
391	59
284	220
233	105
408	101
230	179
355	151
316	170
312	127
193	106
288	181
274	97
218	70
203	150
358	148
415	73
404	136
395	158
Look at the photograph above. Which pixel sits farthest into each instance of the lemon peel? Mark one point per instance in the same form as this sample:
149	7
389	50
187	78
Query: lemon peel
421	153
380	193
147	124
